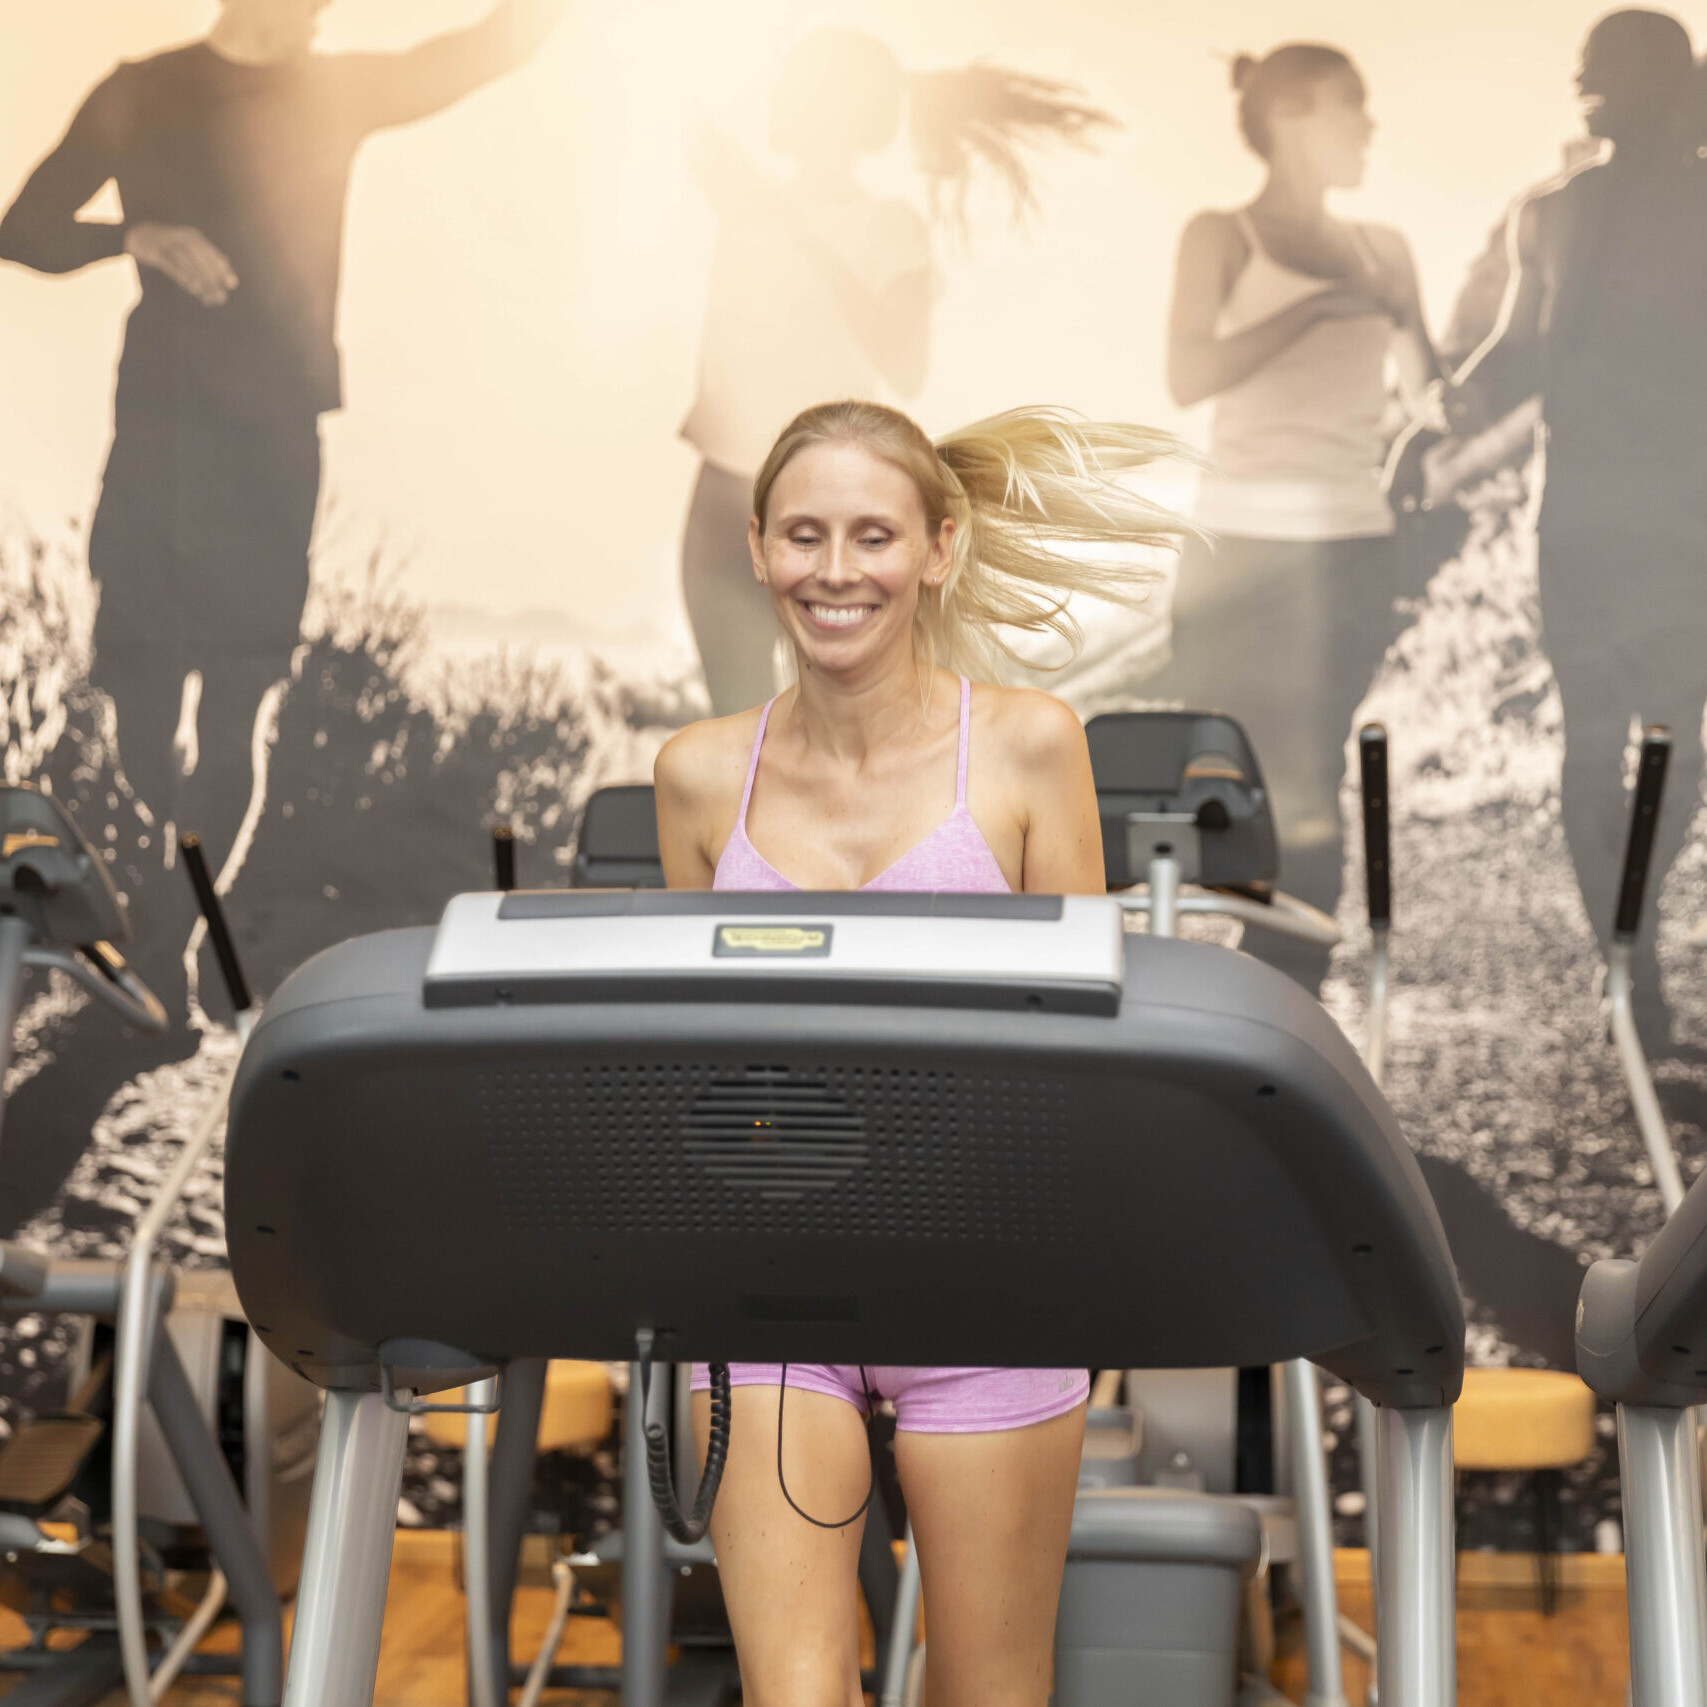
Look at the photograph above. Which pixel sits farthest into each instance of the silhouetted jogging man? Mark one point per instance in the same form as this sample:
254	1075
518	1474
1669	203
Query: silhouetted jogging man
232	158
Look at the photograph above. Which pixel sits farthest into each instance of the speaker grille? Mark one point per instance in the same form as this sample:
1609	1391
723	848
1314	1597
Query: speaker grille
693	1148
769	1133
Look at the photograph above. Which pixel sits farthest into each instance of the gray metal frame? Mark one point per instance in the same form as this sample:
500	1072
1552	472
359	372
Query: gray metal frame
1641	1336
1416	1663
346	1570
1650	1120
1660	1467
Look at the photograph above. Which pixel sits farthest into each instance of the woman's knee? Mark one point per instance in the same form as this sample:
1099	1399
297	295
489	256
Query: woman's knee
807	1680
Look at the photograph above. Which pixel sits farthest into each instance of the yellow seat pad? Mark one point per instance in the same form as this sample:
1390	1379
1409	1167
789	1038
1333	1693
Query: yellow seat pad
1522	1419
576	1411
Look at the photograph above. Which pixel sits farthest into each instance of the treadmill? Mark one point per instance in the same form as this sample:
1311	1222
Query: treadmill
975	1129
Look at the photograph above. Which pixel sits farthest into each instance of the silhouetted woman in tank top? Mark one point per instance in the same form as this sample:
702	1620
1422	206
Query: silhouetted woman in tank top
1291	322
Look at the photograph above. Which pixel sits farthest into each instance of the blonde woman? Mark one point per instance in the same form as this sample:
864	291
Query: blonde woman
893	567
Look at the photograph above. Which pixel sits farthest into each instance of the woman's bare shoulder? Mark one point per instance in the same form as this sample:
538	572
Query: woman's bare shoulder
1031	728
700	765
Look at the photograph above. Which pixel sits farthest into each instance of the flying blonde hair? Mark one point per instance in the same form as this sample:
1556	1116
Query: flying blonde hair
1039	510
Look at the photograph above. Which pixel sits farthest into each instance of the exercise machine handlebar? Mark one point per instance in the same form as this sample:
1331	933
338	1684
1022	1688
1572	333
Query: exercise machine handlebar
218	931
1651	768
1377	851
106	975
504	858
1632	886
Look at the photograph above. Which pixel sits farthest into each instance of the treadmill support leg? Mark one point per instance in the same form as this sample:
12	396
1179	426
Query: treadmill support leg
510	1479
1662	1543
1315	1534
1417	1658
646	1582
346	1568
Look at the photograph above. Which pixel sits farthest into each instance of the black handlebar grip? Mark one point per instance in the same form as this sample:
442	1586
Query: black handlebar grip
1644	820
504	856
1377	833
219	934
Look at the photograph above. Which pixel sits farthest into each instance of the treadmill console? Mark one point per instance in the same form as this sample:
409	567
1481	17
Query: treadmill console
1050	953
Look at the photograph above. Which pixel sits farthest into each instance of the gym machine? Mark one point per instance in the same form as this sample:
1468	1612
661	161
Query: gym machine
1642	1332
1642	1344
154	1380
1058	1144
1187	829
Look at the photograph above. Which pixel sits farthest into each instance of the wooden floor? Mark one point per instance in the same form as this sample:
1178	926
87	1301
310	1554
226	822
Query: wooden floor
1508	1654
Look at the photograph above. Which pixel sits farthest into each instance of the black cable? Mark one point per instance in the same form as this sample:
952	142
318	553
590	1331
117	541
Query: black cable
871	1450
692	1527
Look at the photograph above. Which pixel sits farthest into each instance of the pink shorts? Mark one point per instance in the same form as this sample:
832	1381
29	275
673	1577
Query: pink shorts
930	1401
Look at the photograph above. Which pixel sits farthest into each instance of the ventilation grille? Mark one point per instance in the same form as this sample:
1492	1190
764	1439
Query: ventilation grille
772	1134
716	1148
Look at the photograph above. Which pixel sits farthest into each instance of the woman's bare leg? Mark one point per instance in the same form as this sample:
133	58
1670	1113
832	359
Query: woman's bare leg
791	1588
991	1515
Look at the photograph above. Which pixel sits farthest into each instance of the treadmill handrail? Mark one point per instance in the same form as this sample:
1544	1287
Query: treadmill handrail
1285	915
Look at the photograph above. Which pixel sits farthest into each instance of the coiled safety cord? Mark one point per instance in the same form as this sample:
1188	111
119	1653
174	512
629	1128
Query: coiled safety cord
690	1528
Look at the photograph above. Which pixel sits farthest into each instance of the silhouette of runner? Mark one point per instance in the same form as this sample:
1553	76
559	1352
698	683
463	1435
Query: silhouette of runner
1605	319
822	289
232	157
1287	317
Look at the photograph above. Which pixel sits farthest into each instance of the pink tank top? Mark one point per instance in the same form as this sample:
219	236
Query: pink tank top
953	859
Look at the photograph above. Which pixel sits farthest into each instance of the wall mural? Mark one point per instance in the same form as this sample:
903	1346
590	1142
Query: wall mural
385	383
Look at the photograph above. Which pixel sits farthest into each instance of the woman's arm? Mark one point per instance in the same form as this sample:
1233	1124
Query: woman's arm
678	780
1201	364
1058	798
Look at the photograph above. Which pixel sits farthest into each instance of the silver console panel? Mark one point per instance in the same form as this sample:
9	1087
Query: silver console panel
1056	953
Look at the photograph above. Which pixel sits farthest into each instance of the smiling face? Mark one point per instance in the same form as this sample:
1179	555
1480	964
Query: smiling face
846	550
1325	130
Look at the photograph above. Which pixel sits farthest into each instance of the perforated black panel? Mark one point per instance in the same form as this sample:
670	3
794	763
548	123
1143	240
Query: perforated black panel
703	1147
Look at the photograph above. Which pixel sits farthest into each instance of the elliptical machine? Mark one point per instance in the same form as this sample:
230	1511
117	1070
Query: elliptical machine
179	1408
1187	830
1642	1332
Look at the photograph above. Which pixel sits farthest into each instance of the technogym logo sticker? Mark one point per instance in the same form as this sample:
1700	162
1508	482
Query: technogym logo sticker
746	942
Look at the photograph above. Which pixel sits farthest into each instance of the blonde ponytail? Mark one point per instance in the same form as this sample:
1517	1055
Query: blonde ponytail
1040	512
